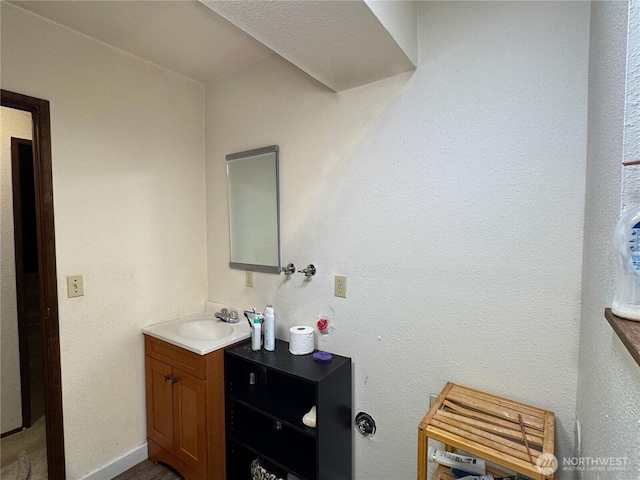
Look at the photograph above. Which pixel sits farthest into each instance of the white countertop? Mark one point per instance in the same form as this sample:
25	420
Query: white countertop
171	332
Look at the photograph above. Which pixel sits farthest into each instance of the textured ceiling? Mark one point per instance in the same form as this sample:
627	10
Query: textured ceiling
184	36
342	44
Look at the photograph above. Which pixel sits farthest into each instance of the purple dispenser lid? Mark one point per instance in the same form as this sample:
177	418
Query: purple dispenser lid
322	357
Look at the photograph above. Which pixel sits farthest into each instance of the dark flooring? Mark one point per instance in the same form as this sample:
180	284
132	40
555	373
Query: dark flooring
147	470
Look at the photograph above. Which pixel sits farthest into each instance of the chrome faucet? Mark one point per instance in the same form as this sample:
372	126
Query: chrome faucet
228	316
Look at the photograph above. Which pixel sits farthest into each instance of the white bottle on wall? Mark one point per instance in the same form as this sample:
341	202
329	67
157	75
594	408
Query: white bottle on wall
626	301
269	329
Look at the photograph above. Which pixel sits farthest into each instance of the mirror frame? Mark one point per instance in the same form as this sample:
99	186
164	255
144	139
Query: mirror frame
246	154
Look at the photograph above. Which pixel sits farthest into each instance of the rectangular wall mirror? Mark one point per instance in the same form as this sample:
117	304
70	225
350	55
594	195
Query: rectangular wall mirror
254	209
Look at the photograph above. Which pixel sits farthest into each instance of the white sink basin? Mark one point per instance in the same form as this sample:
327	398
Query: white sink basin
203	328
201	333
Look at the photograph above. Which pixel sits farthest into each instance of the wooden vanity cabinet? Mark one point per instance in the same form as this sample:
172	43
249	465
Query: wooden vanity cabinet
185	409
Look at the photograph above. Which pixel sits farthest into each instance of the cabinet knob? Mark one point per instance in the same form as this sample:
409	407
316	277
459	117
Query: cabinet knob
174	381
167	377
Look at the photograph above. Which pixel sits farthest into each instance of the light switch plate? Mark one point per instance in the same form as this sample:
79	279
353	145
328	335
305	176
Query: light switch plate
75	286
249	279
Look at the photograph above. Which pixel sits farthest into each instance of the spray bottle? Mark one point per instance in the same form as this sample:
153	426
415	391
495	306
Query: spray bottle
269	329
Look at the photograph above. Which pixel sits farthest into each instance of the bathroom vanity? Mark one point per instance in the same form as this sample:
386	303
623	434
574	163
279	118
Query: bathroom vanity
184	369
267	395
185	408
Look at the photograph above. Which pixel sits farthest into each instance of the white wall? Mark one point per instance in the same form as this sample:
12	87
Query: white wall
452	198
129	200
608	377
15	123
631	174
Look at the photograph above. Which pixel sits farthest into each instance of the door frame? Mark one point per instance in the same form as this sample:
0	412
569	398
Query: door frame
40	115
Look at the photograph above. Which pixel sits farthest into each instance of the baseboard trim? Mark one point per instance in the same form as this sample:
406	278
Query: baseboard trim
11	432
120	465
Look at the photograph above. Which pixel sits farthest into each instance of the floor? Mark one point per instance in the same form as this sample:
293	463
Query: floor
24	453
147	470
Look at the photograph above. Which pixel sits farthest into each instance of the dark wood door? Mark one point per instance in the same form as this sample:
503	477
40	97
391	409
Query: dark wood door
189	417
159	403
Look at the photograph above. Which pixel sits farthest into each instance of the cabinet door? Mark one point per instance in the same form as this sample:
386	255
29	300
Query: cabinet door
159	403
190	421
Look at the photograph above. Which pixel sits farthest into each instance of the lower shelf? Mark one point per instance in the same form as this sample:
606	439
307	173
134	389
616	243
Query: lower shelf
444	473
280	444
280	458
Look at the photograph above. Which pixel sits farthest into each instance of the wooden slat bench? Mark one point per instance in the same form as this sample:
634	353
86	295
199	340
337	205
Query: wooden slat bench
489	427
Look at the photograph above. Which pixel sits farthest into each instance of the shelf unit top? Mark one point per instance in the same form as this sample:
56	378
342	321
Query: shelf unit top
628	331
488	426
281	360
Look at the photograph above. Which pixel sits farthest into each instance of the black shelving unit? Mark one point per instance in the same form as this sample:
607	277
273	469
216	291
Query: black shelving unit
267	394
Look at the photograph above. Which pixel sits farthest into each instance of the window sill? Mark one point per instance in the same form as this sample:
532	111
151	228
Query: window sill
628	331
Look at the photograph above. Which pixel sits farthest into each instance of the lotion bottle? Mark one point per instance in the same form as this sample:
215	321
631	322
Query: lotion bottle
256	334
466	463
269	329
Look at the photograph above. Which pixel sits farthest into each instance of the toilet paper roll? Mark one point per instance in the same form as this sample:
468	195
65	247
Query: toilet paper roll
300	340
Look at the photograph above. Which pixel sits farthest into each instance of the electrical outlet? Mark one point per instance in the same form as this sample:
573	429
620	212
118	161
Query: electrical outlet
249	279
75	286
340	286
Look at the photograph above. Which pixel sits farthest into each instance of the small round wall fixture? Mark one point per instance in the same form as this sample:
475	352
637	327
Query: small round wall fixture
310	271
290	269
366	424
